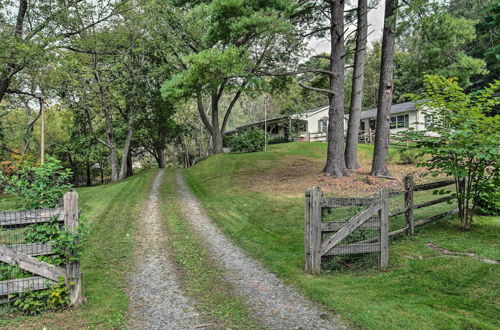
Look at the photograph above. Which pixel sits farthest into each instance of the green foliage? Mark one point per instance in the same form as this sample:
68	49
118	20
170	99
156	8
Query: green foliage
42	232
488	199
68	245
249	141
410	156
56	297
462	141
278	139
38	185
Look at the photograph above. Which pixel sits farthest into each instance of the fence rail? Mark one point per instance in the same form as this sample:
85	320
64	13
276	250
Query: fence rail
374	216
18	251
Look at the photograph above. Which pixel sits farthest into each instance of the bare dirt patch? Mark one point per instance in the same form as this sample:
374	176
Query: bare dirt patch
292	175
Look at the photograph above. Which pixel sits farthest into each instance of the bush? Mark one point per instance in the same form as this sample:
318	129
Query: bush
277	139
37	185
249	141
488	200
410	157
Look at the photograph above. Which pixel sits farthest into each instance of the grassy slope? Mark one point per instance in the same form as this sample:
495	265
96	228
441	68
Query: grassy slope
421	289
109	211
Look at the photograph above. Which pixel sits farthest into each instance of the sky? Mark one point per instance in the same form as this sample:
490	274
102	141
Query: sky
375	21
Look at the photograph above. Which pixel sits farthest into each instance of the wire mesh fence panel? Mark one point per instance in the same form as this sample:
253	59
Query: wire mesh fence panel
26	238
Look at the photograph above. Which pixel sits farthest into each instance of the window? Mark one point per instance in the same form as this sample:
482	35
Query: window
400	121
323	124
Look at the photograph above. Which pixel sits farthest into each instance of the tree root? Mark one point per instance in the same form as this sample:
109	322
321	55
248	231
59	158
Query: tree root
454	253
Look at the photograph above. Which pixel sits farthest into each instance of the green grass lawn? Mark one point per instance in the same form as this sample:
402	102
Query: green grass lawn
421	288
109	212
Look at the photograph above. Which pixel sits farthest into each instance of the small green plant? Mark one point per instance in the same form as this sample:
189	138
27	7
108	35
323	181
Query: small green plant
56	297
42	232
37	185
249	141
410	157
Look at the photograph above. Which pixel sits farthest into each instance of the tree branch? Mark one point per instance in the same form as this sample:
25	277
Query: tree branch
321	90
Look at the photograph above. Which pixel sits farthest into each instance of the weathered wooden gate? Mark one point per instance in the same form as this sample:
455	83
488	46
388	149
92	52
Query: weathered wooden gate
12	227
316	245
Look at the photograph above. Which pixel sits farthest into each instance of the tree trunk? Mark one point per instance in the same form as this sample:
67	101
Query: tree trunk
335	162
379	164
88	173
162	163
351	148
130	165
126	151
217	138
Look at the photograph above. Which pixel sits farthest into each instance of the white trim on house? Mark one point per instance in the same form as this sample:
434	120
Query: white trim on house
403	116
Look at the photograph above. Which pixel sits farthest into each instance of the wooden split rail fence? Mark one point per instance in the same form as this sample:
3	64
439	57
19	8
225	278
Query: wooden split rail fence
319	240
12	229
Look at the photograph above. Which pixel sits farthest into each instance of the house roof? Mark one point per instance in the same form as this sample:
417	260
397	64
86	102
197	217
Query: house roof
371	113
395	108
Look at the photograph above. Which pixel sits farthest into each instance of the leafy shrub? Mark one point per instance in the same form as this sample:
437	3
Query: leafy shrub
488	200
34	302
278	139
249	141
37	185
464	140
410	157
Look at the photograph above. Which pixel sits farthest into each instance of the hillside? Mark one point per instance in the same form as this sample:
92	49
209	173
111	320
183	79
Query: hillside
257	200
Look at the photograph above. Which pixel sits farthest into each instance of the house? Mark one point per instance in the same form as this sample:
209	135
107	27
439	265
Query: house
312	125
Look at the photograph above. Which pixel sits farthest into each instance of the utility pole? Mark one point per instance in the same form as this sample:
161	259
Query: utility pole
265	122
39	96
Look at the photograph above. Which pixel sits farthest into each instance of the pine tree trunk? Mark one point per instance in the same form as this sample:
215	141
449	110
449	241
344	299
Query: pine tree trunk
217	137
379	164
351	148
335	162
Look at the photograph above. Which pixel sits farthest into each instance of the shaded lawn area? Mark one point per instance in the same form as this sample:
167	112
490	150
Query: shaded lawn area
109	211
422	288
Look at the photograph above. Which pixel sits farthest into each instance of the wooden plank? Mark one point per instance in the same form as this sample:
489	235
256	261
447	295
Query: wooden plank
33	249
30	264
353	224
330	226
333	202
433	185
74	276
409	185
391	234
353	249
314	198
8	219
24	284
436	217
395	193
434	202
397	212
384	230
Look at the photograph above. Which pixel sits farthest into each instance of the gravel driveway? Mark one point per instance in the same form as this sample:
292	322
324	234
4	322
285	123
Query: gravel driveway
156	299
274	304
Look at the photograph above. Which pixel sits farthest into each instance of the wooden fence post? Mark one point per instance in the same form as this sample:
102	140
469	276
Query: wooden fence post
73	275
312	230
409	184
384	229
